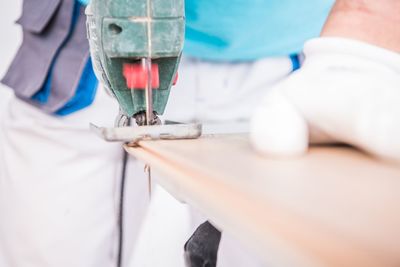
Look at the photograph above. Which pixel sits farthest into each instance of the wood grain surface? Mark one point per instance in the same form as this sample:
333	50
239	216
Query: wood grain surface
333	207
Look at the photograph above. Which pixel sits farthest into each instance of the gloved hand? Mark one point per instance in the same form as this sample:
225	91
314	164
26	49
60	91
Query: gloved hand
347	91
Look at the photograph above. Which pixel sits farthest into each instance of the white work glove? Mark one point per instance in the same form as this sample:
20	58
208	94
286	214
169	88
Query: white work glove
347	91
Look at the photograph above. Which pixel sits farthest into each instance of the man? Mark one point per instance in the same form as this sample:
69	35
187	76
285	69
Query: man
62	181
347	90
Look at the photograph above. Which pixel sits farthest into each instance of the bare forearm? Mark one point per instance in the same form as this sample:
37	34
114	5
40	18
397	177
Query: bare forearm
371	21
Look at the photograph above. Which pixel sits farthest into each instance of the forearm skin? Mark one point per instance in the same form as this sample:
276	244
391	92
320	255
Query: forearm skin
371	21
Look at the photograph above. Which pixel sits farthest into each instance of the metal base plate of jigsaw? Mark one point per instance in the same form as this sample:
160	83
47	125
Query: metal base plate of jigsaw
168	131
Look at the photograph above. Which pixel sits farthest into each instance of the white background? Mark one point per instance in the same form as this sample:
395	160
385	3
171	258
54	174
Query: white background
10	39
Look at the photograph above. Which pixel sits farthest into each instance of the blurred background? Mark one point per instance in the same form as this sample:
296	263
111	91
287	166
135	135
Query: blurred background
11	37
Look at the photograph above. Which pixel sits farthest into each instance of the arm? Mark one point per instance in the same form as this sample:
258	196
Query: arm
371	21
347	89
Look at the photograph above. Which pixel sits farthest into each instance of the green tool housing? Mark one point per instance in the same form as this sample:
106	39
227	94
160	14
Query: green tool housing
125	31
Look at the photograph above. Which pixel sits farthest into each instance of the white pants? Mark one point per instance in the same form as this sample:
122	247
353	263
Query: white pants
59	183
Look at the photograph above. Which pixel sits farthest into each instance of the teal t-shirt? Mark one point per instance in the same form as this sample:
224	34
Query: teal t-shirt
238	30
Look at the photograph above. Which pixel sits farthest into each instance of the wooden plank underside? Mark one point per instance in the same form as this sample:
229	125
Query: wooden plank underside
332	207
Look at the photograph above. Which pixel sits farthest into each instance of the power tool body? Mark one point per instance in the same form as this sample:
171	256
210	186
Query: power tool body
136	46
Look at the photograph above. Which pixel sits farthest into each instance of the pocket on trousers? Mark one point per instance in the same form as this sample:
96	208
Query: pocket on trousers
36	14
46	25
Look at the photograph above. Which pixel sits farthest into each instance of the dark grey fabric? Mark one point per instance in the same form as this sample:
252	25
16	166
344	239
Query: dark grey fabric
69	66
30	67
36	14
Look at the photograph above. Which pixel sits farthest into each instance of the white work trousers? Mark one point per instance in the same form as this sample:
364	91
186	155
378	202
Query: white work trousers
59	183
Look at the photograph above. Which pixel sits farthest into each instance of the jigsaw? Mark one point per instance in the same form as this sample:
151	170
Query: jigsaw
136	46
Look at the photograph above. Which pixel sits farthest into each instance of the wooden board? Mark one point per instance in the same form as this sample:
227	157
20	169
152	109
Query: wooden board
332	207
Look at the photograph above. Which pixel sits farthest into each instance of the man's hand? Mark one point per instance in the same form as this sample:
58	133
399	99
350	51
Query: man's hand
347	90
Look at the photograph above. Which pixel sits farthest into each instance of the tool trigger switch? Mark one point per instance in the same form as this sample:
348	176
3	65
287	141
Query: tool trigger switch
136	76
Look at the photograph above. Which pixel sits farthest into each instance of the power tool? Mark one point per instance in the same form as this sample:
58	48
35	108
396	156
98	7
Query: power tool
136	46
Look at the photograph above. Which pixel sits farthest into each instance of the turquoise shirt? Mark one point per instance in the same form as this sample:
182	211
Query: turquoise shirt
84	2
239	30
